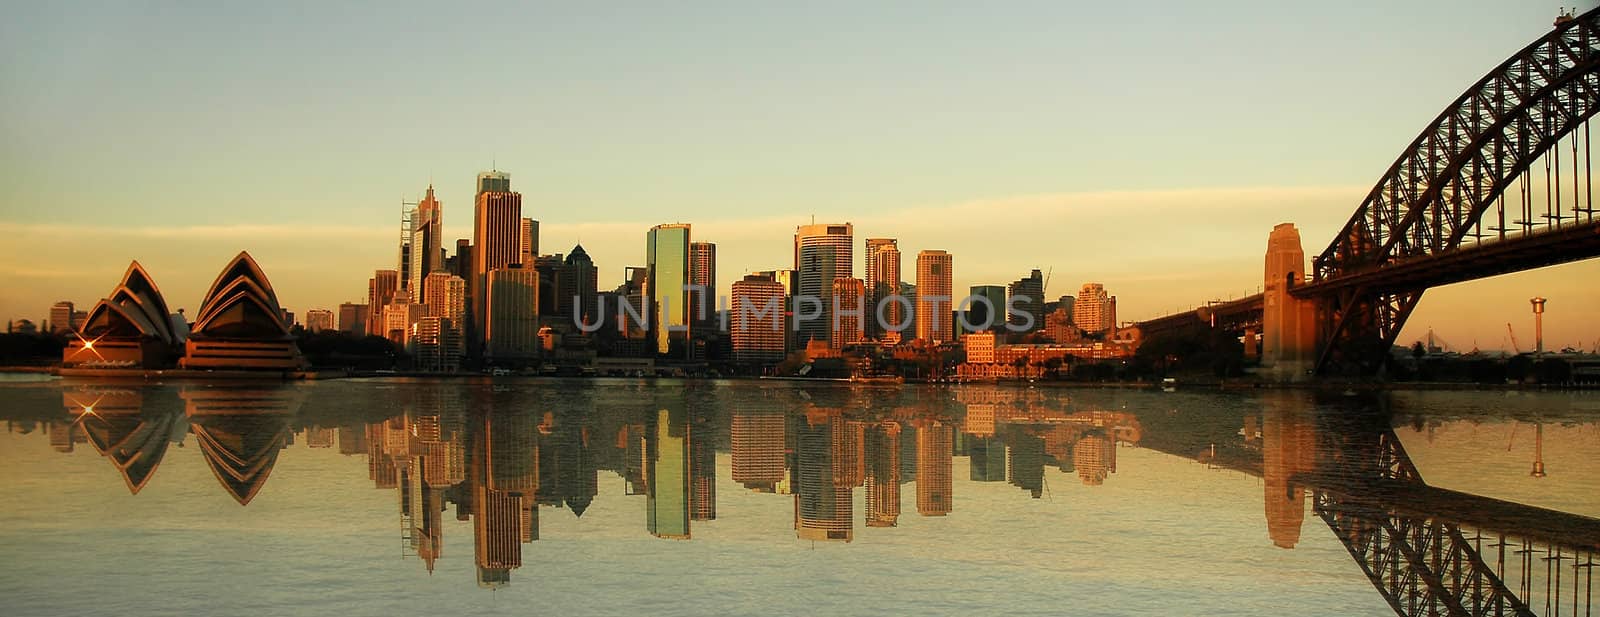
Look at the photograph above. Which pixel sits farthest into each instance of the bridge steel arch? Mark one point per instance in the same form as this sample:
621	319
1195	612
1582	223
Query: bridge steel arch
1432	201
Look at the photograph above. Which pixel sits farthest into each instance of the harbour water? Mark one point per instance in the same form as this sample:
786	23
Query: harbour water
519	496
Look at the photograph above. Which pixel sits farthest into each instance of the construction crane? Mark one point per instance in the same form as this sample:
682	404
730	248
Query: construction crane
1046	287
1513	333
1437	343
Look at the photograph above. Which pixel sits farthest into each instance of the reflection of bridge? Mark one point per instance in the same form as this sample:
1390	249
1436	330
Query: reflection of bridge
1465	200
1431	551
1427	550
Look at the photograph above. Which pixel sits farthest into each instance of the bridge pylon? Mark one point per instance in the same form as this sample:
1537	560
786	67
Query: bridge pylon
1288	324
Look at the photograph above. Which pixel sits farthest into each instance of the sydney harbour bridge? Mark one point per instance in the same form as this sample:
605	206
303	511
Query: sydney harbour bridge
1497	183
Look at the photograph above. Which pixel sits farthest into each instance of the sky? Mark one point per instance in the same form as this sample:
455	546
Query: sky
1148	146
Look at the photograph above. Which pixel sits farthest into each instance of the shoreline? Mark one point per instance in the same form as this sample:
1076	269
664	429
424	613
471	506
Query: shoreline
125	375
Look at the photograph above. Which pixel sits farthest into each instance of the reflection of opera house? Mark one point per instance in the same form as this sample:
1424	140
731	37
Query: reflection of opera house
239	430
240	326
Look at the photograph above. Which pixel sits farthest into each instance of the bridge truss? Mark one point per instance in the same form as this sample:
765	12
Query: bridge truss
1447	196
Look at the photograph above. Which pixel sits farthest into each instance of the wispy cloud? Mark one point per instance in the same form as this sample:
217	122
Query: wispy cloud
219	232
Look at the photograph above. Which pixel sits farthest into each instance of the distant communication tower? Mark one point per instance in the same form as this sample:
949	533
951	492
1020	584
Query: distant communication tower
1538	325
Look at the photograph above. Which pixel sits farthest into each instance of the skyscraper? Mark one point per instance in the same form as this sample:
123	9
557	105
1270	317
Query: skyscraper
551	269
1028	293
380	293
1095	311
440	343
461	262
493	182
528	234
578	287
353	318
934	284
883	281
756	322
446	296
666	275
633	289
703	275
496	240
790	281
821	253
992	314
511	324
427	225
848	300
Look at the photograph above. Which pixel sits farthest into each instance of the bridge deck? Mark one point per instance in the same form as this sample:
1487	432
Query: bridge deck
1573	242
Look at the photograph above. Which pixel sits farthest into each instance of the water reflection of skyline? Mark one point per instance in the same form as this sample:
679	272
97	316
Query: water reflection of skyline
497	464
496	460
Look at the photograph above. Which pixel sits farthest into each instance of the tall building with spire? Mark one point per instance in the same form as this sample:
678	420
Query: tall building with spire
495	181
427	227
882	281
934	284
822	253
496	241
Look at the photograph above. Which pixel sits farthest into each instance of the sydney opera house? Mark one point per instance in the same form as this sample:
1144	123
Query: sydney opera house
240	326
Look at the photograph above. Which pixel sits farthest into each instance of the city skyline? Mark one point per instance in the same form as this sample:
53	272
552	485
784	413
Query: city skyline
828	308
1069	209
